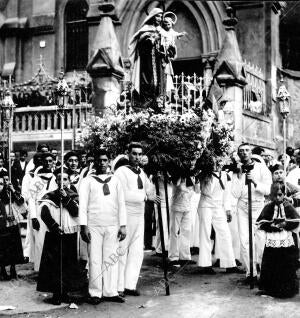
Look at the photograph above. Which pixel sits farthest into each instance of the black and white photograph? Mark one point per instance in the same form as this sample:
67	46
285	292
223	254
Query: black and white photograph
149	158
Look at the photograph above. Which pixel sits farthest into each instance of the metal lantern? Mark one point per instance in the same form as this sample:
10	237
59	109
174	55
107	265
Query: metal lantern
7	107
62	92
284	100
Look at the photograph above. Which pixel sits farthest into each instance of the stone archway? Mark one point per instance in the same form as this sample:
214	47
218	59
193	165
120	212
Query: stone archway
201	20
202	17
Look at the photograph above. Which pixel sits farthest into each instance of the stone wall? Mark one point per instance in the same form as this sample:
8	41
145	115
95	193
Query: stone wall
250	34
293	86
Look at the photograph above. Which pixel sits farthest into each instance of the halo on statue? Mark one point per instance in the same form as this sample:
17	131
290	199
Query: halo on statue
170	15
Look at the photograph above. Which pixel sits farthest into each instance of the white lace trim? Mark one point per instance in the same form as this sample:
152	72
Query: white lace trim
279	239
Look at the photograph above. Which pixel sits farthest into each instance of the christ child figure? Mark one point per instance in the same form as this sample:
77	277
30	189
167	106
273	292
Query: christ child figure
168	43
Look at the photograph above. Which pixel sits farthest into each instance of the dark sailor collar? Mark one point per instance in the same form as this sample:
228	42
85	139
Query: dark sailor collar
137	170
105	182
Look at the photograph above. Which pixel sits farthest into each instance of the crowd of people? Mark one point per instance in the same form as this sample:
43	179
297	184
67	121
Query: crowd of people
45	94
91	217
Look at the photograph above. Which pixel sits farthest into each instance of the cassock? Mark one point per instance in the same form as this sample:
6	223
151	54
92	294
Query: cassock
38	186
278	276
28	247
11	251
60	245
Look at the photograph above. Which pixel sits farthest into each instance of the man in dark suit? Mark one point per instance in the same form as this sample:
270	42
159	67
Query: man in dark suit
19	167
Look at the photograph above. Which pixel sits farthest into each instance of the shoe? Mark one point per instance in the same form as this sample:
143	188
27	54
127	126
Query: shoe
161	254
13	273
54	300
121	294
149	248
208	271
234	270
4	275
174	263
131	292
114	299
26	260
217	263
184	262
94	300
66	299
261	293
238	263
247	280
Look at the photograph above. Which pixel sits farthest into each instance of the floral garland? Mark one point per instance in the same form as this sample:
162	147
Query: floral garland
166	137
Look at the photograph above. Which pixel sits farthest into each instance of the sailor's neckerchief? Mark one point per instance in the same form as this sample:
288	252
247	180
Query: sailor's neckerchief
137	171
106	190
219	177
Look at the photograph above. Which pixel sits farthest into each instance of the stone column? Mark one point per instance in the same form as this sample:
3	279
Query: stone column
230	75
105	65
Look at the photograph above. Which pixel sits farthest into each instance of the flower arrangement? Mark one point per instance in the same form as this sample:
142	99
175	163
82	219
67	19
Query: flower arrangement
167	137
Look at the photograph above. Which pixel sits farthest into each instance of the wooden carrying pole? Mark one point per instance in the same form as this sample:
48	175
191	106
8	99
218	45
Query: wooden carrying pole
62	123
167	199
248	182
9	133
162	239
62	99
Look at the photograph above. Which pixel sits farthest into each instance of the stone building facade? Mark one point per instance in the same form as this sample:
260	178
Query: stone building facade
64	32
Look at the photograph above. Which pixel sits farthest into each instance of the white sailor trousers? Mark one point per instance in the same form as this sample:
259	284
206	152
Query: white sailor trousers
194	236
157	241
215	217
180	232
258	236
103	261
131	252
235	238
234	230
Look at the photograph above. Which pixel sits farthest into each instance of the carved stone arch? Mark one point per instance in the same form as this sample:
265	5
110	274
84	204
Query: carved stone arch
208	16
218	12
213	13
197	23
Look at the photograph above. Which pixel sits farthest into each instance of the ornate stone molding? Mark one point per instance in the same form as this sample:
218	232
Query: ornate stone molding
99	9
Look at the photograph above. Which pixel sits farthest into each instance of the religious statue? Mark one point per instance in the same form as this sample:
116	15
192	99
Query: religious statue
152	49
168	38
